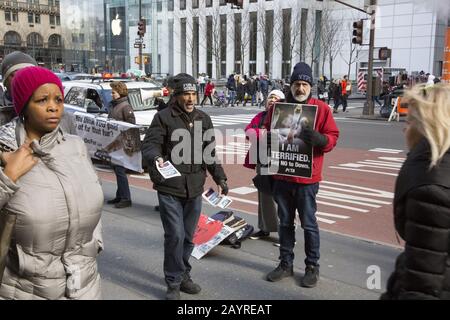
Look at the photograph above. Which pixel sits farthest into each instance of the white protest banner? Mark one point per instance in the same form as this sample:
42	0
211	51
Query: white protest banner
114	142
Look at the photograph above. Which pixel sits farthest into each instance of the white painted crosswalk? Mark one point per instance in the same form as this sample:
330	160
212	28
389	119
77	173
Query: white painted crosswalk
232	120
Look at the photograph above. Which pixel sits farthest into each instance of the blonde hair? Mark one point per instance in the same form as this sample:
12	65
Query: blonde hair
429	113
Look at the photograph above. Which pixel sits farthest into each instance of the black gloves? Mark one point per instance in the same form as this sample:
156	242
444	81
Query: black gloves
313	137
223	185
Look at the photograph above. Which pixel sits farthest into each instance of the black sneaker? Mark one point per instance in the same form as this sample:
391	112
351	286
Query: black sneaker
190	287
173	293
123	204
280	272
260	234
311	277
113	201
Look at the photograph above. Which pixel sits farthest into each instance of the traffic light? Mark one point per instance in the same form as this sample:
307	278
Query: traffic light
137	60
384	53
358	32
237	3
142	27
146	60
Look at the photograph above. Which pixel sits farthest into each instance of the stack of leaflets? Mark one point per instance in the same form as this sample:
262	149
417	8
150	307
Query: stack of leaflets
224	216
216	200
168	171
236	223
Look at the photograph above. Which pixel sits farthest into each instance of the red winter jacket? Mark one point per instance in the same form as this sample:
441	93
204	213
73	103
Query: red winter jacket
326	125
209	89
254	131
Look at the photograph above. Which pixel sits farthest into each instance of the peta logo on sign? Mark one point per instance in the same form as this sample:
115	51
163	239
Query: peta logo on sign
189	87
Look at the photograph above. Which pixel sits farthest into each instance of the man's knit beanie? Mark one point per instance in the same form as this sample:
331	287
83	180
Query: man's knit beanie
15	61
302	72
184	82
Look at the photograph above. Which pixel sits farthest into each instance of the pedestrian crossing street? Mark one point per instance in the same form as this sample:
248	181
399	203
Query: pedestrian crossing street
232	120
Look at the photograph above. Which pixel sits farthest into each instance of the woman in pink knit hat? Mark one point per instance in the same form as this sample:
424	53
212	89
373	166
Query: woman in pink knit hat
50	188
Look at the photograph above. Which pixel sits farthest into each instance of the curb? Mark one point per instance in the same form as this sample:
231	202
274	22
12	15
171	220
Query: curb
375	118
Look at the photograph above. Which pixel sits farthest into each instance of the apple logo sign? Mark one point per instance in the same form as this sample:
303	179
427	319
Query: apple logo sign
116	27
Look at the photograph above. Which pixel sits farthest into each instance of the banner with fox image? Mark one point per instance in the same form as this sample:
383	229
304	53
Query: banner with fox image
114	142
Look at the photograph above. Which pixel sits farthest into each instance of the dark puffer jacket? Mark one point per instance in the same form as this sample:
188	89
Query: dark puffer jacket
121	110
158	143
422	219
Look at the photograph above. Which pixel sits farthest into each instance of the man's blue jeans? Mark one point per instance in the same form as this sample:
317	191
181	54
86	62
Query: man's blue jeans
123	188
232	97
301	197
179	217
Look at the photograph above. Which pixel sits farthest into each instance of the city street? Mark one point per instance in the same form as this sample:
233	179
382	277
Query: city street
355	214
359	175
104	69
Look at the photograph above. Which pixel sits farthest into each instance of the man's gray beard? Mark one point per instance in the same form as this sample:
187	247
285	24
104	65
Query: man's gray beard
301	98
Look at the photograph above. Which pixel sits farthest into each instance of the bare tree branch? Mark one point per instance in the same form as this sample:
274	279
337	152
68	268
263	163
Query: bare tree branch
330	41
218	44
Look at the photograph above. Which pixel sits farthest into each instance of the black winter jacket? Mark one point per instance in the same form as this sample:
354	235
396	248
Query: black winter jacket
158	143
422	219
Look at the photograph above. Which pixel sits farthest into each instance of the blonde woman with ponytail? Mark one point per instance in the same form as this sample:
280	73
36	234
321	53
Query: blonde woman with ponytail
422	199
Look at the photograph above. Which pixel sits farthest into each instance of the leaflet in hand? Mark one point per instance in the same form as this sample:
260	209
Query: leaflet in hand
168	170
216	199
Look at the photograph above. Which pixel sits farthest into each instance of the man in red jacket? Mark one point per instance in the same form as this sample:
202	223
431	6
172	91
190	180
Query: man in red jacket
295	193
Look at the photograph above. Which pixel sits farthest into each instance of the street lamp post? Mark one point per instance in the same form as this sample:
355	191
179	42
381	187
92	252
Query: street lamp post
140	37
369	105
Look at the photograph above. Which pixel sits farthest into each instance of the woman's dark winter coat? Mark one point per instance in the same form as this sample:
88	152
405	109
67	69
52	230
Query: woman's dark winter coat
422	219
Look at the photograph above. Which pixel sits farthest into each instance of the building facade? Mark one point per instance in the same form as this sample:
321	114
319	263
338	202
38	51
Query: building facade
270	36
32	26
212	37
83	34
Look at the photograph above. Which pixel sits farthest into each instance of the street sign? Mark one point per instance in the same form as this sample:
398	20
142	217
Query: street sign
136	45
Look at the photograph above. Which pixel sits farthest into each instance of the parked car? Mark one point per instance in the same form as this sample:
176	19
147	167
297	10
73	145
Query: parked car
63	76
95	97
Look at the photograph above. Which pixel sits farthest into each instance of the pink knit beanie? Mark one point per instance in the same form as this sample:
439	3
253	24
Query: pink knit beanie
26	81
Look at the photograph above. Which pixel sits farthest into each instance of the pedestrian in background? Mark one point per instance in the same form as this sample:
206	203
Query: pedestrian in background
121	110
201	82
159	102
297	193
12	63
346	90
180	198
337	95
240	90
209	90
231	86
255	131
264	88
422	199
48	182
321	88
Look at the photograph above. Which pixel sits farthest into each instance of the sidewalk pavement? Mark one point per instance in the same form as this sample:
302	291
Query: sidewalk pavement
131	265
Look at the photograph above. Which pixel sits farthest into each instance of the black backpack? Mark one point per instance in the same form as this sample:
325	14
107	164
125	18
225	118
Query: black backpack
235	239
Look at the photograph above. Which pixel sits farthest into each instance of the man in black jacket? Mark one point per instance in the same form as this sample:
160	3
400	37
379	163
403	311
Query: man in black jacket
11	64
176	135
